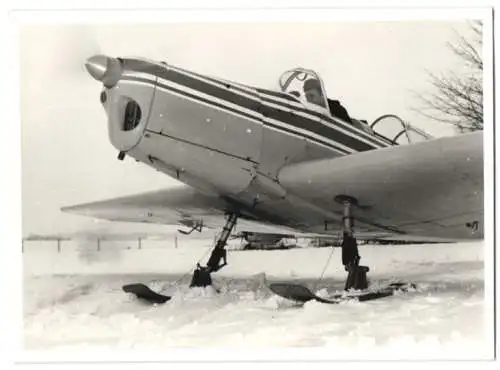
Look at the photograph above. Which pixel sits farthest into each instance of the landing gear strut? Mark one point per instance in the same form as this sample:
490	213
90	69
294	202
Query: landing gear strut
356	278
201	276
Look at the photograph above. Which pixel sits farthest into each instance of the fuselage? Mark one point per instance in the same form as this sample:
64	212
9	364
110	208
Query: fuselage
224	138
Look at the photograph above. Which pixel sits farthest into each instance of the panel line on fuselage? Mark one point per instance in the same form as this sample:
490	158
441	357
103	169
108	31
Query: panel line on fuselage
200	145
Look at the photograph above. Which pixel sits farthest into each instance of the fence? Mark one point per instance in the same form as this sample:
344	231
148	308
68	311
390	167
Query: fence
98	244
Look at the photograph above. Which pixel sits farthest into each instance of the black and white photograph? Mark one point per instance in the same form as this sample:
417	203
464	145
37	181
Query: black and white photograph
310	182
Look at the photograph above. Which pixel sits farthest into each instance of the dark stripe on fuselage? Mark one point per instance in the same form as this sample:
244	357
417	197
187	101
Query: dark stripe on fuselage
230	109
277	94
315	126
193	96
209	89
224	92
334	121
222	83
227	95
237	87
262	92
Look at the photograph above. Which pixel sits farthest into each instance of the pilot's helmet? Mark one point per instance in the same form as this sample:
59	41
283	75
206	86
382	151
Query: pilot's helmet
312	84
312	89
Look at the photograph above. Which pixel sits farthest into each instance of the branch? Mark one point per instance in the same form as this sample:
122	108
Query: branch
458	99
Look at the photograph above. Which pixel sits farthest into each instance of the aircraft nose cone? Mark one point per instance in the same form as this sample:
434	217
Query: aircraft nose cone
97	66
106	69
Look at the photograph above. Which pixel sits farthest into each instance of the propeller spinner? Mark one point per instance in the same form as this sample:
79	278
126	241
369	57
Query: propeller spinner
106	69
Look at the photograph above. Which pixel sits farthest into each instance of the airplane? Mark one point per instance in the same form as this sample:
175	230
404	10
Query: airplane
280	162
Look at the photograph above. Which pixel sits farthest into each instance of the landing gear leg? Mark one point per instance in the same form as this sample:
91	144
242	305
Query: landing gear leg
356	277
201	276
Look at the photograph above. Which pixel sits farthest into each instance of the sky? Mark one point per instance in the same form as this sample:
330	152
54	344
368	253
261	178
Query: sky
373	68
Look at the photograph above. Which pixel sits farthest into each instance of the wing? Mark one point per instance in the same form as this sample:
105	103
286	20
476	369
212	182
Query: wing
427	190
433	188
174	206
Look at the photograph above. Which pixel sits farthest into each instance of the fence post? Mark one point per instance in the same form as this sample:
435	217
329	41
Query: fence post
98	244
22	245
139	243
58	245
175	241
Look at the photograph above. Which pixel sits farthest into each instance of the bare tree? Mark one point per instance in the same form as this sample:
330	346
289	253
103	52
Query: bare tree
457	99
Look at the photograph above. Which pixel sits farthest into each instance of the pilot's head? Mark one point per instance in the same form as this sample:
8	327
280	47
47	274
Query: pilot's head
312	90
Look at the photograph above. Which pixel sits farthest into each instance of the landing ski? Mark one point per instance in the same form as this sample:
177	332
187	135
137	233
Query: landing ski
303	294
145	293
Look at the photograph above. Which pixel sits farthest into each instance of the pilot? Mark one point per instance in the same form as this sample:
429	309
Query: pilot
312	90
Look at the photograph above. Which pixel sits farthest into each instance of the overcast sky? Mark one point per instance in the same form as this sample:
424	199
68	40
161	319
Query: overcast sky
67	157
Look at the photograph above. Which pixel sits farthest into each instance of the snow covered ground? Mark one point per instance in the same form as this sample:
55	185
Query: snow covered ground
73	301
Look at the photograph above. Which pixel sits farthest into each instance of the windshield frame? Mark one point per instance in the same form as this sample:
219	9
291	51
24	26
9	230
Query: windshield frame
303	75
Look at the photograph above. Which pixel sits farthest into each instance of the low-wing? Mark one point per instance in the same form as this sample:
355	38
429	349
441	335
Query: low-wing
178	206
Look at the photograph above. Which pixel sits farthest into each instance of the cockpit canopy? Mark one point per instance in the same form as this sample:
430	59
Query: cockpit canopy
306	85
308	88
